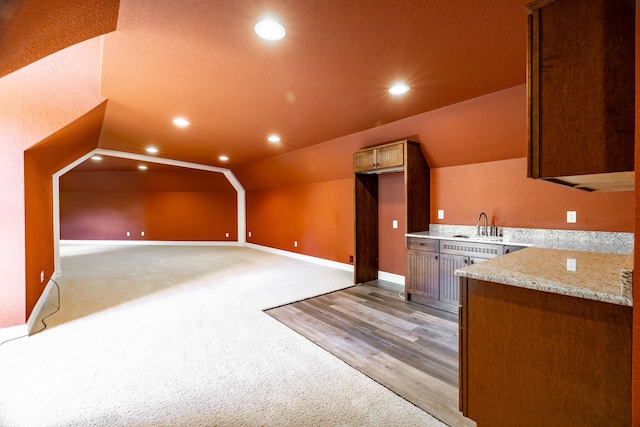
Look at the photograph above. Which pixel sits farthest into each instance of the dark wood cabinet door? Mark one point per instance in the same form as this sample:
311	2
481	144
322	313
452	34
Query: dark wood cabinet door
421	277
581	92
449	282
532	358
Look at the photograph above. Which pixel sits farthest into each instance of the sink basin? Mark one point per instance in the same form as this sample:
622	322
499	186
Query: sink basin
461	236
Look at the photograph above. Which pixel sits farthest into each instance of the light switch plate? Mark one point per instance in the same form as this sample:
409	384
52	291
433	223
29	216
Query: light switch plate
571	216
440	213
395	223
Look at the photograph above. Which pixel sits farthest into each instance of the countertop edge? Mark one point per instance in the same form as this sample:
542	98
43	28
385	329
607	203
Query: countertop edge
550	288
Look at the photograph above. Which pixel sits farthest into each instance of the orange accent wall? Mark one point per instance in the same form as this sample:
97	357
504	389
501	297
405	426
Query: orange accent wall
319	216
171	216
510	199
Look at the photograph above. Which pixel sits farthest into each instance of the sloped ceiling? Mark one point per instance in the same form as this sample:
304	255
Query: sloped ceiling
326	79
33	29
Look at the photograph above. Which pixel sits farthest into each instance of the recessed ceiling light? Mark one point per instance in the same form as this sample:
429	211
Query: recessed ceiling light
274	138
399	89
269	29
224	158
181	122
96	158
152	150
142	167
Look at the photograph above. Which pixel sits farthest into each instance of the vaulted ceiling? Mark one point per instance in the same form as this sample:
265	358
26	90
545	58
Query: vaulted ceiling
327	78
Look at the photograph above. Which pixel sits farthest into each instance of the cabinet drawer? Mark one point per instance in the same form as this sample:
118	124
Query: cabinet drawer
471	249
420	244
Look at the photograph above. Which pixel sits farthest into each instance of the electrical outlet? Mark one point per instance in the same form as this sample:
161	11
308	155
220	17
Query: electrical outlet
249	234
571	216
351	259
571	264
226	234
295	243
394	224
41	276
440	213
128	233
142	233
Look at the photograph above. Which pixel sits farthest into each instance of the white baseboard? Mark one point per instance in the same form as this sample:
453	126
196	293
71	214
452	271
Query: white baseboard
150	242
13	332
308	258
390	277
31	322
382	275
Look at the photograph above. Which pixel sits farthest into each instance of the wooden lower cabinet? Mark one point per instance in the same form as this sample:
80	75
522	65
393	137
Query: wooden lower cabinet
430	269
423	280
532	358
449	283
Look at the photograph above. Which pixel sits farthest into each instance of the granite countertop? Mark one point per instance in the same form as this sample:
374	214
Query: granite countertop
466	238
602	277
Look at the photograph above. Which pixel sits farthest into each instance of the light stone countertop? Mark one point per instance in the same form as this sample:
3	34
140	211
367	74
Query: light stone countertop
573	240
467	238
602	277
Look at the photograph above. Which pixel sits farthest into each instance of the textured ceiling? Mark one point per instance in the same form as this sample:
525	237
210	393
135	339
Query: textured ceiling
327	78
33	29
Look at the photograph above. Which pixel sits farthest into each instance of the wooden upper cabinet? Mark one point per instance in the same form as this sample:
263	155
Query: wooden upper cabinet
581	93
387	157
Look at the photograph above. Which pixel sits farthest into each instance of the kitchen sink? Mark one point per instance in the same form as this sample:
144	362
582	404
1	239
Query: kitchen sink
461	236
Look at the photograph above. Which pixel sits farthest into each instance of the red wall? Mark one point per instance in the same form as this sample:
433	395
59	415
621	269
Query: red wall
41	161
178	216
319	216
510	199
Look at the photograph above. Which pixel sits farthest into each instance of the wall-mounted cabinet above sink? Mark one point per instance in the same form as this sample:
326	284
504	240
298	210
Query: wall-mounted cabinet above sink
581	93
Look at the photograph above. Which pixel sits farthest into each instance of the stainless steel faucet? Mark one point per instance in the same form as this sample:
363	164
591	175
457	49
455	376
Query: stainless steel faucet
484	231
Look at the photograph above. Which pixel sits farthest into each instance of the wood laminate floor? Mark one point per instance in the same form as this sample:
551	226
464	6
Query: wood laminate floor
410	348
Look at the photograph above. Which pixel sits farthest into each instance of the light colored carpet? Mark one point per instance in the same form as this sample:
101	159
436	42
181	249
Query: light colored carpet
176	336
